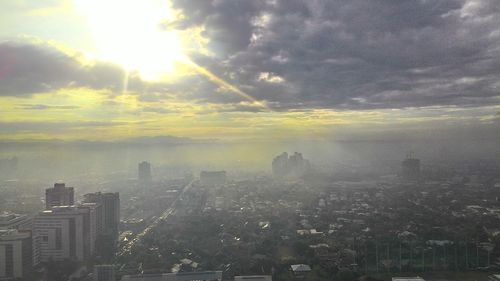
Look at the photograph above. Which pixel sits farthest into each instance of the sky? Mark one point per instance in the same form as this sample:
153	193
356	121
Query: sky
249	70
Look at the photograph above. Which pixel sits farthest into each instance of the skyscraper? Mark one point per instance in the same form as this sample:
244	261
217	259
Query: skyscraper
292	166
59	195
144	171
109	221
410	168
280	165
16	253
90	224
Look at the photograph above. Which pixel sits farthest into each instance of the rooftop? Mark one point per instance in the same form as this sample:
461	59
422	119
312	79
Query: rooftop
300	268
12	234
8	218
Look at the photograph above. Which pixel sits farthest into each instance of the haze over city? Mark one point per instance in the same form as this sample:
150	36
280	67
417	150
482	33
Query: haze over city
309	139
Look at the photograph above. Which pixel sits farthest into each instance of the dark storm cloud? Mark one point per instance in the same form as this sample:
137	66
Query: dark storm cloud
220	15
297	54
33	68
354	54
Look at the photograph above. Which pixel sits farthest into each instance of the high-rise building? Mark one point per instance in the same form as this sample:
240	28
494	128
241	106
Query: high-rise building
280	165
104	273
98	215
90	224
213	177
16	254
59	195
65	232
292	166
109	219
144	171
410	168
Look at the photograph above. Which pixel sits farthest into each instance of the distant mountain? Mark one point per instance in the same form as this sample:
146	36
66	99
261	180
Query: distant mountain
156	140
165	140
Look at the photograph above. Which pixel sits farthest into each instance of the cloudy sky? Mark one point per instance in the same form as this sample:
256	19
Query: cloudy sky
240	69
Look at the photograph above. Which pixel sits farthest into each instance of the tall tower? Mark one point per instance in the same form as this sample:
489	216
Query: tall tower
144	171
59	195
293	166
410	168
110	211
280	165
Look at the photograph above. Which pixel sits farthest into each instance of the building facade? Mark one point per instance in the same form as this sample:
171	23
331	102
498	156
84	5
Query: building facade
64	233
144	171
16	252
108	217
59	195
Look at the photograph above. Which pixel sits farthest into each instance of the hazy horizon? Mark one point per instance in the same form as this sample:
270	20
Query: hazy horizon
80	70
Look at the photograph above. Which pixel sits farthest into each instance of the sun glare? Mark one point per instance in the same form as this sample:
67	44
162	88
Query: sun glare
128	32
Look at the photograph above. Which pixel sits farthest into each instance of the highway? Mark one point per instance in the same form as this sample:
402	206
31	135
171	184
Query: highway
126	249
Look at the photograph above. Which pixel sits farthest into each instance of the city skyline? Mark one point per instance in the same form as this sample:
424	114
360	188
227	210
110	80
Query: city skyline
221	140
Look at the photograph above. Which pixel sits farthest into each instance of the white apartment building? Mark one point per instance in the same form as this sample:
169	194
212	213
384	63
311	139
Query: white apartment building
66	232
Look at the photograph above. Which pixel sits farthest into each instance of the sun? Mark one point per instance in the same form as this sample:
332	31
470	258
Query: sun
130	33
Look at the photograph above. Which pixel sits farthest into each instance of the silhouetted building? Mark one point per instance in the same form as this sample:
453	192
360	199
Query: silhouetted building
410	168
104	273
59	195
292	166
108	219
213	177
16	254
280	165
144	171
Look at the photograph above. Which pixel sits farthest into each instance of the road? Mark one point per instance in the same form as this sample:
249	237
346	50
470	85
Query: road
126	249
